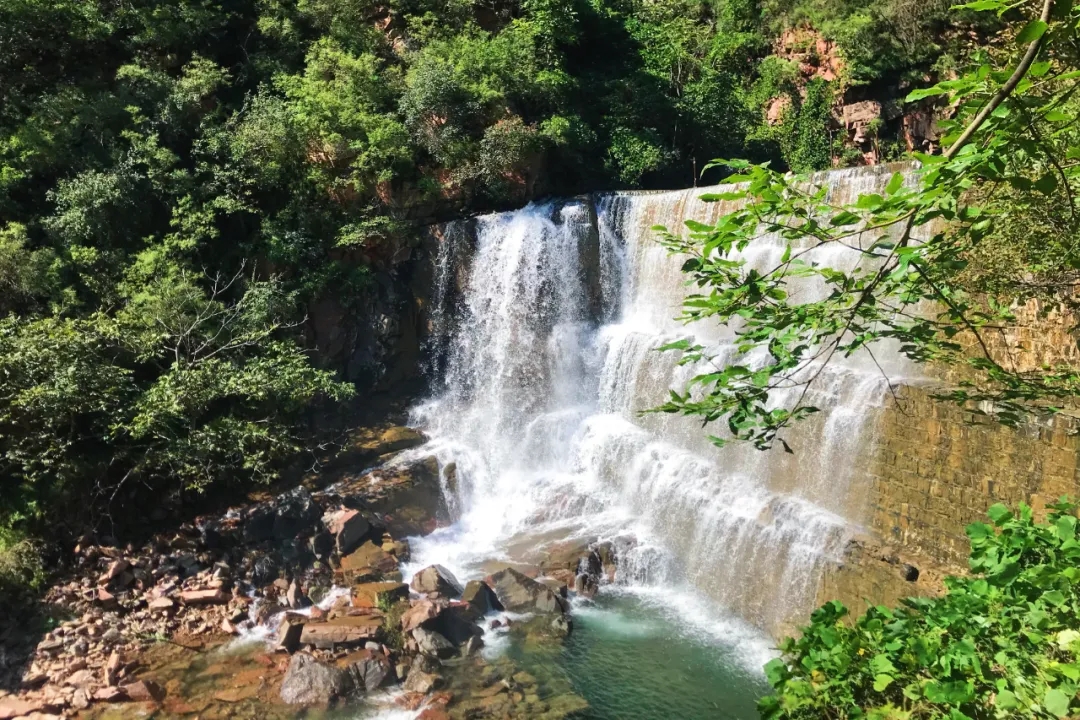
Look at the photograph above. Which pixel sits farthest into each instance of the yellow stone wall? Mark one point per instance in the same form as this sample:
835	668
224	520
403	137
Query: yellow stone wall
937	467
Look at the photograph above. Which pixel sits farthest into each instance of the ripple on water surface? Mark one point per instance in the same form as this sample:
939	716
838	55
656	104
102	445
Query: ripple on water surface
632	660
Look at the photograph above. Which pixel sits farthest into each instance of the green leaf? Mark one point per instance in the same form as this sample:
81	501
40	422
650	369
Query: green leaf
1056	702
1065	528
844	217
1055	598
895	183
1039	69
775	671
924	93
980	5
882	681
1006	700
999	514
949	693
1047	184
1031	32
882	665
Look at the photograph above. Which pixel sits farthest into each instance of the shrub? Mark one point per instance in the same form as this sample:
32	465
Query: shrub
22	570
1003	643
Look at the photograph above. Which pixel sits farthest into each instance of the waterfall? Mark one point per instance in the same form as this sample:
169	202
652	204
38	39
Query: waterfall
548	355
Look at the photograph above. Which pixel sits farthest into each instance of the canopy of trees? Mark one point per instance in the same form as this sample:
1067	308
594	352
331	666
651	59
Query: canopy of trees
177	178
986	225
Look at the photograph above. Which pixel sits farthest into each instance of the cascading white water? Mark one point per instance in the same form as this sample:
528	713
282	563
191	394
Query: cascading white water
548	357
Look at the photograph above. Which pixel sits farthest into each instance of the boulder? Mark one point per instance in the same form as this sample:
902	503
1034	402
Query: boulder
455	623
287	516
143	690
115	570
11	707
348	631
162	604
379	594
400	438
369	669
310	682
204	597
432	643
106	694
295	597
420	613
421	682
518	593
586	586
289	634
481	598
433	713
106	599
369	560
437	579
294	513
112	669
321	544
347	528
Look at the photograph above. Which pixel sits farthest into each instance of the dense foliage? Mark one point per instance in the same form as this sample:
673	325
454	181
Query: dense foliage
941	260
1002	643
180	180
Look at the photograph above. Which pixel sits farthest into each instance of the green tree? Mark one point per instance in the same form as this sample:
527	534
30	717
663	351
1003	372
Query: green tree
1014	132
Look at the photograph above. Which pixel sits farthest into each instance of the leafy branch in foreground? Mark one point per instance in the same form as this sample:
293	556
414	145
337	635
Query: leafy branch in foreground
1004	643
904	249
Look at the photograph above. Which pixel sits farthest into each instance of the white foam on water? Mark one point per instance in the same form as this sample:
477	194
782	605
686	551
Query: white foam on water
548	357
253	633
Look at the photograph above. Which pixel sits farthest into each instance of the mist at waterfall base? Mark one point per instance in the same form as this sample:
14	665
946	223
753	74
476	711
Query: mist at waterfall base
546	326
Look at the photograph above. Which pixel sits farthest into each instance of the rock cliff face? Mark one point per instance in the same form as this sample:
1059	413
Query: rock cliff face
383	333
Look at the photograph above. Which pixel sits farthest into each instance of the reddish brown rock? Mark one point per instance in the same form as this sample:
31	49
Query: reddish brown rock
411	700
116	568
861	113
347	527
162	604
143	690
110	694
437	579
419	614
105	598
80	678
378	594
12	707
343	632
368	559
289	633
112	669
204	597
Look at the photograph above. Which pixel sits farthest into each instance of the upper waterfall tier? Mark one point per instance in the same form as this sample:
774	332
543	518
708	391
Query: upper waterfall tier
546	331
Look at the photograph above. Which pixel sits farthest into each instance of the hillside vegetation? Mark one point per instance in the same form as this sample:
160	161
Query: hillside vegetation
180	179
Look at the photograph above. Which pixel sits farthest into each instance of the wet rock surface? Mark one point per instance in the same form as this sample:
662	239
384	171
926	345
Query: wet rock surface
147	630
310	682
519	593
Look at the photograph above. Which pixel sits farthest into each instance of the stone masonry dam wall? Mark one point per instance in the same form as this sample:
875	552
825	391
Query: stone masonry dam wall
936	467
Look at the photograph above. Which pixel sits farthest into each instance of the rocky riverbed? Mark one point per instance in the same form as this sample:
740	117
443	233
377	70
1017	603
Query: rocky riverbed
296	604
